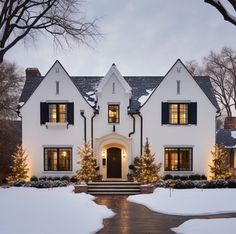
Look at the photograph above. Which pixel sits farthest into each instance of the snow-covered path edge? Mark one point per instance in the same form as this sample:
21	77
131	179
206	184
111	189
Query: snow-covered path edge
214	226
58	210
188	202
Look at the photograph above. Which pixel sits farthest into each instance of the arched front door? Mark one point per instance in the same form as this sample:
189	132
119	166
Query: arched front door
113	162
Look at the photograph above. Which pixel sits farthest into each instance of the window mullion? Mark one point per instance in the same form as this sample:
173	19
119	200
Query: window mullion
178	159
58	166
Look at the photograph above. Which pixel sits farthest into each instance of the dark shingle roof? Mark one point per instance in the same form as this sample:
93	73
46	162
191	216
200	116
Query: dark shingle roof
225	137
140	85
206	86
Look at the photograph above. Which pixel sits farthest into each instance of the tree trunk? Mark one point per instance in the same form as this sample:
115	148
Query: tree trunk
1	56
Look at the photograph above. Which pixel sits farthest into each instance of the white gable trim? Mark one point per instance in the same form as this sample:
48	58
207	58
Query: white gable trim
113	70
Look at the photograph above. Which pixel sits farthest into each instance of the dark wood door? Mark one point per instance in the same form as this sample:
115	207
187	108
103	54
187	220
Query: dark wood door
113	163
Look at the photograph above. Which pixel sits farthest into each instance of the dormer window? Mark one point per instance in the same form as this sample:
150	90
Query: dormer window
113	113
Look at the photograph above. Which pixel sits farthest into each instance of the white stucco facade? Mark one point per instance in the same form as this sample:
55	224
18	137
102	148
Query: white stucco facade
114	90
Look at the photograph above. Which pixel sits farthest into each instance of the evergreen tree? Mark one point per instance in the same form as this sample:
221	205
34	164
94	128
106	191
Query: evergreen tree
88	164
147	170
220	168
19	168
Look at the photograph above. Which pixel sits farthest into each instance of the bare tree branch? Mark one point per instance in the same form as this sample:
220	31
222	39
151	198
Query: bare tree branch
222	9
63	19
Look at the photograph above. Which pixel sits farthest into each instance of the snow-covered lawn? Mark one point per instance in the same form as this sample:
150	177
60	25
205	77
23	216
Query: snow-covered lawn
207	226
44	211
189	201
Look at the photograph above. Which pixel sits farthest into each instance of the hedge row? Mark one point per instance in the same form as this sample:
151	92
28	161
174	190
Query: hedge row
204	184
184	177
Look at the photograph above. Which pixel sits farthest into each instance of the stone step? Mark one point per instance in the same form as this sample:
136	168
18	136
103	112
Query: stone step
113	188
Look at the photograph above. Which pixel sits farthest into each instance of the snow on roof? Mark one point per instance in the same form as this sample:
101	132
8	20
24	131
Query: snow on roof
144	98
233	134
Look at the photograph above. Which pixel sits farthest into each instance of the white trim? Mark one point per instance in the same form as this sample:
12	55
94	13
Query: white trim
113	70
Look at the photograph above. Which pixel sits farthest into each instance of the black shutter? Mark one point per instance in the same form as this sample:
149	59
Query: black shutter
43	112
70	113
192	113
164	113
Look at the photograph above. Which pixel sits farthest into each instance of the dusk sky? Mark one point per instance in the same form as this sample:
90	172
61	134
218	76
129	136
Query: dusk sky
142	37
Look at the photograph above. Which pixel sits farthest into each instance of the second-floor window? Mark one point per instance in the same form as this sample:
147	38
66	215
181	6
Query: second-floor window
179	113
57	112
113	113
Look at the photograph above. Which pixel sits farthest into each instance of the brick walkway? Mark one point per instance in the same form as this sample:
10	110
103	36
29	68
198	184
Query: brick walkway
133	218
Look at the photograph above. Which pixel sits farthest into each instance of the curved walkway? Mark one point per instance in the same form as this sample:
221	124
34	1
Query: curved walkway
132	218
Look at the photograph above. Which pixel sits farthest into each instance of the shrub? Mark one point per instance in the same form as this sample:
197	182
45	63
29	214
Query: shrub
34	178
130	177
98	178
221	184
67	178
195	177
184	177
49	178
203	177
231	183
176	177
43	178
167	177
19	183
56	178
131	167
73	179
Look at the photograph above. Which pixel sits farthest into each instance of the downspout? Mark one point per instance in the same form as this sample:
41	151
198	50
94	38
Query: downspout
131	133
141	133
94	114
85	127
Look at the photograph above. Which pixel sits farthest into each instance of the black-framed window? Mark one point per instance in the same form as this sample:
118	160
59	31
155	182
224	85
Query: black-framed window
113	113
179	113
57	112
178	159
57	159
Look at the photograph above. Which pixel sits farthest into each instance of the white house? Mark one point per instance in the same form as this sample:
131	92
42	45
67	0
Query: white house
176	112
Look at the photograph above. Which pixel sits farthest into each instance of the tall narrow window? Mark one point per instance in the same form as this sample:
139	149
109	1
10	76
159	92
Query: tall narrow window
57	87
178	86
57	159
178	159
113	114
52	110
113	87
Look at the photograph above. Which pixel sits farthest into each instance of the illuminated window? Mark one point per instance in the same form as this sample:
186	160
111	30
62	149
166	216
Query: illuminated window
178	113
113	114
57	112
57	159
178	159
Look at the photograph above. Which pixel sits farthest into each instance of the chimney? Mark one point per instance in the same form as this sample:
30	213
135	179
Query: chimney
230	123
32	72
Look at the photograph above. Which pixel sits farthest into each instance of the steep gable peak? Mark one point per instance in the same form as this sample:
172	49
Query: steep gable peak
114	71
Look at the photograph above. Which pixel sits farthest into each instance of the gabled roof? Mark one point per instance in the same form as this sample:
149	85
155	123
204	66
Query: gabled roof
226	137
139	86
113	70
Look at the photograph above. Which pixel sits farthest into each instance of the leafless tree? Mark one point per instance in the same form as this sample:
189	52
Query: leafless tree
10	86
222	8
221	68
63	19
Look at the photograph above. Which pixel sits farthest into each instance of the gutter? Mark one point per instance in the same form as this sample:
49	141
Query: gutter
85	126
131	133
94	114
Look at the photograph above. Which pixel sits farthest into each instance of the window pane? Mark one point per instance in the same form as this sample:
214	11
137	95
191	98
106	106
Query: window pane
62	113
113	114
171	159
185	160
50	160
173	113
183	113
52	108
64	160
